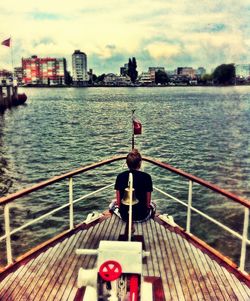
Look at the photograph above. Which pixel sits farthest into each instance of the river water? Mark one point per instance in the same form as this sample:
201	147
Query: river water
202	130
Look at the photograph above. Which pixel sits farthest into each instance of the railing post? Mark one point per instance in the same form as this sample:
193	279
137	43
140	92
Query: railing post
190	190
71	208
244	240
7	233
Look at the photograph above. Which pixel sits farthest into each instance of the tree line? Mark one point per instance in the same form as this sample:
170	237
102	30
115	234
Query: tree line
223	74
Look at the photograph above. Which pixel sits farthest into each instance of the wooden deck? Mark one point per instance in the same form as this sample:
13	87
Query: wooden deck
186	271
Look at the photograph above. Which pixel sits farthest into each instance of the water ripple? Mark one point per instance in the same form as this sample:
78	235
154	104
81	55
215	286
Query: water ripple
204	131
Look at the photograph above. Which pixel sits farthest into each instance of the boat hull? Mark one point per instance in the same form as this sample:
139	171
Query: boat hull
19	99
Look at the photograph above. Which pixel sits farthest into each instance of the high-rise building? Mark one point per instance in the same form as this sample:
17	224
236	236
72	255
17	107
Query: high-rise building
44	71
79	67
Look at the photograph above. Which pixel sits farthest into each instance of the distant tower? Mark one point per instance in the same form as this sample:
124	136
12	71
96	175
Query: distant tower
79	66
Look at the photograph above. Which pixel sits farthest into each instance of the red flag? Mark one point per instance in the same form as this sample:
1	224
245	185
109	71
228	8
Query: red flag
6	42
137	127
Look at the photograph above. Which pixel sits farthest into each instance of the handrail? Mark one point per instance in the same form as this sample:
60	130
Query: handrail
216	222
213	187
7	199
54	211
13	196
4	201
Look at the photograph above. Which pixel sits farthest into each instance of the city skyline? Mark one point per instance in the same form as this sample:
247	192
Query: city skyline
157	33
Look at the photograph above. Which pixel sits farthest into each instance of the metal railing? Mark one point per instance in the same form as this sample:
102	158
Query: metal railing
192	179
5	201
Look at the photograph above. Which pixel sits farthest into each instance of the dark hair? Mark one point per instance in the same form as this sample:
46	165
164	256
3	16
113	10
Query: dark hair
134	159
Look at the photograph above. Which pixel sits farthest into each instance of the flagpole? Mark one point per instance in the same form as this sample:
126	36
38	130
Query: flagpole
12	60
133	134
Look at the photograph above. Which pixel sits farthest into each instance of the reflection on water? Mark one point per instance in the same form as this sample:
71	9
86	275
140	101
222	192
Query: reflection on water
204	131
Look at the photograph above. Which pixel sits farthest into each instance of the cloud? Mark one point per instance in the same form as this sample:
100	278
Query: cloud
106	52
161	50
160	32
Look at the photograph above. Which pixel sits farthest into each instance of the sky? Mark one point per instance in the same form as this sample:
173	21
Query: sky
166	33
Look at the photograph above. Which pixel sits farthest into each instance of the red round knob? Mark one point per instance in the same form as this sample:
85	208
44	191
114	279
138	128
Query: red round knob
110	270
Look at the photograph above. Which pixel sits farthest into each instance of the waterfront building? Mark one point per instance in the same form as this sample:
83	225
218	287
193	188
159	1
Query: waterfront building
124	70
242	70
123	80
186	71
5	77
147	78
152	71
112	79
44	71
155	69
18	75
109	79
79	68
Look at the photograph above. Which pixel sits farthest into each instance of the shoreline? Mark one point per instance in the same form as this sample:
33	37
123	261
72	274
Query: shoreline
142	86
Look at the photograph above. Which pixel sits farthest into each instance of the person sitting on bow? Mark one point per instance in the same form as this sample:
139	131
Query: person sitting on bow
143	187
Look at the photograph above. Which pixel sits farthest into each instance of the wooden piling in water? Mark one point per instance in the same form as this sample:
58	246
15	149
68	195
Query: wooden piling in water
7	95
